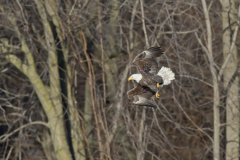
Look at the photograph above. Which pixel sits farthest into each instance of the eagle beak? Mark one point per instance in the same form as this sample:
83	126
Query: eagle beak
130	78
157	94
158	85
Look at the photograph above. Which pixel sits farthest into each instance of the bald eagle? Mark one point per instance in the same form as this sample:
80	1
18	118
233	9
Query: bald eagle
165	73
149	79
147	65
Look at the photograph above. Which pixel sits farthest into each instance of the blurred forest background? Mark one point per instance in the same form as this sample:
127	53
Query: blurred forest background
63	80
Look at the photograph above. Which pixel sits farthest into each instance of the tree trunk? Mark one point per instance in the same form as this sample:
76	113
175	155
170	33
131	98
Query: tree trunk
57	97
231	82
216	94
54	113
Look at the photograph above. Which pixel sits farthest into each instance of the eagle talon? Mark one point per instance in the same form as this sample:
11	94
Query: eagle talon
157	95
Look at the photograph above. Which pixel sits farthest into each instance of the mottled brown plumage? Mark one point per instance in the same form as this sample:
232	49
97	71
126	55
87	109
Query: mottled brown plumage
146	61
141	95
148	81
147	65
140	90
142	101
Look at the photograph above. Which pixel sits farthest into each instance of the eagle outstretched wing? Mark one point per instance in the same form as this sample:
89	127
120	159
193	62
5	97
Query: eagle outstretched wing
140	90
152	52
146	61
142	101
142	96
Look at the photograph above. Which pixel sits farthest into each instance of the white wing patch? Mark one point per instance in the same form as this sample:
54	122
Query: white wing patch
167	75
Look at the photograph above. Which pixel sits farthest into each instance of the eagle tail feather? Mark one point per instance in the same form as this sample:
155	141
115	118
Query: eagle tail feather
167	75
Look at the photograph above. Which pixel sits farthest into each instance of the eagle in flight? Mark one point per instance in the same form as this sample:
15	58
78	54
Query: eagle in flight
150	78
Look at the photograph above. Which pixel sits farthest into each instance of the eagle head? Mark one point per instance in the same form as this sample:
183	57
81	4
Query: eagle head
135	77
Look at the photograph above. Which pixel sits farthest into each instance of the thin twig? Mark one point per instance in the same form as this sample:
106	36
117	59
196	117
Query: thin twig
4	137
144	25
134	10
